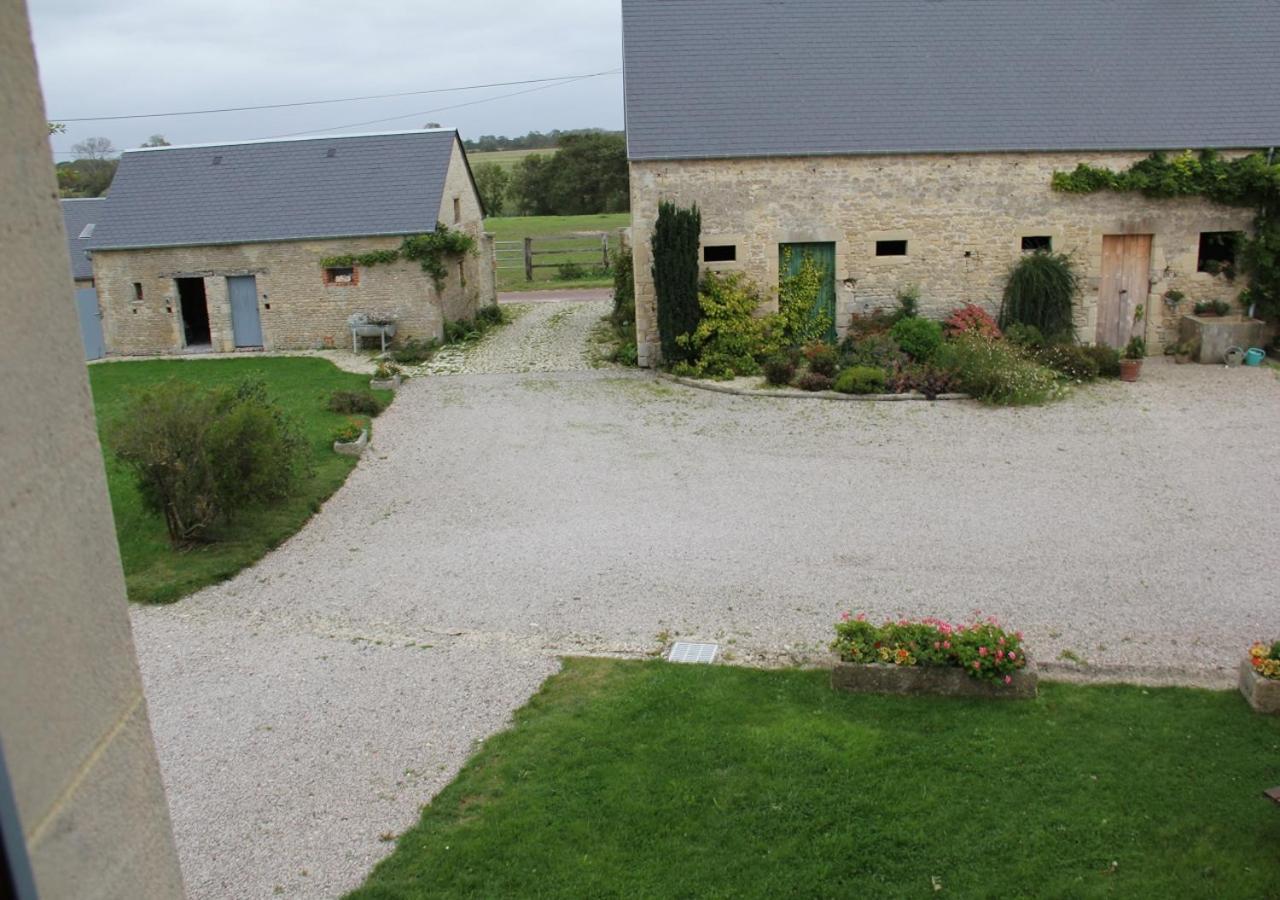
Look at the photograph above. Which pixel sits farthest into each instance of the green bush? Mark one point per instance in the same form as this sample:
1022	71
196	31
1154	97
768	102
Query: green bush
996	371
878	350
919	338
491	316
779	369
860	380
1107	358
1026	336
729	337
572	271
1041	291
624	292
812	381
822	358
1071	360
355	403
201	455
675	278
415	352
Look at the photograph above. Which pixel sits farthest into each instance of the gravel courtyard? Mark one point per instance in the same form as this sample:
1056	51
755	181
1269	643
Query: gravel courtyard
307	709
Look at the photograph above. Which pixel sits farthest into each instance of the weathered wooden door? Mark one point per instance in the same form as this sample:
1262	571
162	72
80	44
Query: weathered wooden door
790	259
246	321
1126	281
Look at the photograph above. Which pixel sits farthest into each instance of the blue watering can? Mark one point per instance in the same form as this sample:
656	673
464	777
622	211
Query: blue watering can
1254	357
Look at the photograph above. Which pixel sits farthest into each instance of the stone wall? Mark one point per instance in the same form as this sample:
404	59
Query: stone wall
963	216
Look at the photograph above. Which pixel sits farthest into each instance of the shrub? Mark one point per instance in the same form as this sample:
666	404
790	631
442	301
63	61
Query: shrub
971	319
675	278
864	325
354	403
919	338
860	380
908	303
878	350
729	336
386	371
822	358
624	292
1026	336
983	649
996	371
923	379
812	381
1107	358
779	370
1266	660
491	316
1071	360
415	352
1213	308
1135	349
571	271
200	455
799	318
1041	291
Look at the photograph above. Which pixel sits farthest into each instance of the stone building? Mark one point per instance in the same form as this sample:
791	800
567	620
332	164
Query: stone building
220	246
79	218
912	143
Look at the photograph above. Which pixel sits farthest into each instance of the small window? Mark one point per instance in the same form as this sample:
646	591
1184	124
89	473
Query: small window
462	275
137	291
1218	252
1037	243
457	210
718	253
891	248
342	276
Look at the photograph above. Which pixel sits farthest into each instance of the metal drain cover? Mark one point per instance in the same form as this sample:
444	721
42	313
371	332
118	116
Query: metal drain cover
685	652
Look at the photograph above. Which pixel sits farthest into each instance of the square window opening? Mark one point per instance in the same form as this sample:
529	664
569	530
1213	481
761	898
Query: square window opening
1037	243
720	253
340	275
891	248
1218	252
137	291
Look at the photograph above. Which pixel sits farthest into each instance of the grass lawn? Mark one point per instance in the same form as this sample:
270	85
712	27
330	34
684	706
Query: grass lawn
517	228
626	779
154	571
508	159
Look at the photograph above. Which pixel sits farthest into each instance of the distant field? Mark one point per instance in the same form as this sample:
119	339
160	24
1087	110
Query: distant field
505	158
542	228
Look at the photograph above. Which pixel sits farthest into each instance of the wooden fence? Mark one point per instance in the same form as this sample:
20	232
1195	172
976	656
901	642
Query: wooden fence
585	250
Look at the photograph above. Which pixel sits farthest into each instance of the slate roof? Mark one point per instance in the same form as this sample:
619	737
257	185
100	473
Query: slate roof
76	216
734	78
277	190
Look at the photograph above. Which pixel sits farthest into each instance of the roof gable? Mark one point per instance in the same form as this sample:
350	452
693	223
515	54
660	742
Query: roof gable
80	218
278	190
725	78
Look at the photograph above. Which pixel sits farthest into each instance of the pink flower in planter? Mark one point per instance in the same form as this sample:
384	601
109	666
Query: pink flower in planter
844	617
862	617
999	655
1008	679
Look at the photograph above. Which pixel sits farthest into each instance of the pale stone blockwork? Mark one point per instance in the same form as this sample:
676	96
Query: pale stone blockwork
963	217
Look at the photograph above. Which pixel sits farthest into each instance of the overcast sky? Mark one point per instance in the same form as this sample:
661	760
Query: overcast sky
119	57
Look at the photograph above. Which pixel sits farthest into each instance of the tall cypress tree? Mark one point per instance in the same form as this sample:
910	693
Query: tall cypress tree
675	276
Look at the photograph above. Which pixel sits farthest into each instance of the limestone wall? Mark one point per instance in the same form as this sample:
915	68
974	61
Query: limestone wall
963	217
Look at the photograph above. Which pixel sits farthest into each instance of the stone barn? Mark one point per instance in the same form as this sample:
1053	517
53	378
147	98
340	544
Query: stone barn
80	218
224	247
913	142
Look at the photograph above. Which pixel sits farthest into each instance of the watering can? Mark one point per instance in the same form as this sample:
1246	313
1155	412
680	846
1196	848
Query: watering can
1254	357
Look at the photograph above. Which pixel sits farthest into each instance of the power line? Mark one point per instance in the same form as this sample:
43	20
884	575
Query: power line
201	112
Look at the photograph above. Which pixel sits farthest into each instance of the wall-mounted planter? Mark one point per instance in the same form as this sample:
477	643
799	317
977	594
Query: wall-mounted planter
1263	694
386	384
1215	335
942	681
352	448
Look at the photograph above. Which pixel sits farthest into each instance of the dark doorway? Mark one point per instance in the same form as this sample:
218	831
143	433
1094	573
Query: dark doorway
195	312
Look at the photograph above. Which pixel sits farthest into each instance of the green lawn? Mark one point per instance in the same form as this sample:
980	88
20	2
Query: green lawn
154	571
508	159
625	779
517	228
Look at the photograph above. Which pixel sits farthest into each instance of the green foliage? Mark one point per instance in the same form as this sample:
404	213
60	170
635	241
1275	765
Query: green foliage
996	371
1041	292
1249	181
729	337
624	291
908	302
1135	349
983	649
415	351
200	456
1071	360
821	358
85	177
878	350
492	182
1107	358
861	380
1212	308
355	403
814	381
919	338
801	320
429	250
587	174
1026	336
675	243
779	369
386	370
491	316
349	432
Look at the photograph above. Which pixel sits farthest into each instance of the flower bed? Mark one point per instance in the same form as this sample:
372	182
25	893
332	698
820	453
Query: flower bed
1260	678
931	656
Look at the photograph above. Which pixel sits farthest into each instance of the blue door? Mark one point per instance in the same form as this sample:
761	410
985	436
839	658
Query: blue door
90	323
246	323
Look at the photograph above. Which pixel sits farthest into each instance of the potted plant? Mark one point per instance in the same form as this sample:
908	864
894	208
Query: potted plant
1181	352
351	438
1260	678
386	377
1131	364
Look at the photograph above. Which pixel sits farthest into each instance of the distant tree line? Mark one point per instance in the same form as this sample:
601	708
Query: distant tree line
534	140
587	174
91	172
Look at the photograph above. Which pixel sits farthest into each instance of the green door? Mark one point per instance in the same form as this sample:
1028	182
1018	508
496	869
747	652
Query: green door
792	256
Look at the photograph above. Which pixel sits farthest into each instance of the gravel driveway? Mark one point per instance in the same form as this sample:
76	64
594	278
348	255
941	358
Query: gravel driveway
313	703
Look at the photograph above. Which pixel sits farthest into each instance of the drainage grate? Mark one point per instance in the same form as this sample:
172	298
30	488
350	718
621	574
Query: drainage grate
685	652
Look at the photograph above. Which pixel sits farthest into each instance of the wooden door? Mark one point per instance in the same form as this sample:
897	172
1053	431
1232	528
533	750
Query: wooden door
792	256
1126	281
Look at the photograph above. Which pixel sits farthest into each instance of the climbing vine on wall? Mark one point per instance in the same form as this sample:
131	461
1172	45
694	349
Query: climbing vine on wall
429	250
1252	181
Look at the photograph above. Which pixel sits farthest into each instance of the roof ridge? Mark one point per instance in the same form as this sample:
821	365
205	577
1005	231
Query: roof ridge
290	140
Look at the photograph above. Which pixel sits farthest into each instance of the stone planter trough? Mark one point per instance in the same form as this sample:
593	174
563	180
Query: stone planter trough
352	448
1263	694
386	384
1215	335
943	681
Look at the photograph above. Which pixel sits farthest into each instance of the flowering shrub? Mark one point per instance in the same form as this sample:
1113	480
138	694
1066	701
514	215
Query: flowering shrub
1266	660
971	319
997	371
349	432
983	649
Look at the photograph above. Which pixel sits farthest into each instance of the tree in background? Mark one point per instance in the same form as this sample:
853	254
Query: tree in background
492	181
85	177
94	148
588	174
675	277
156	140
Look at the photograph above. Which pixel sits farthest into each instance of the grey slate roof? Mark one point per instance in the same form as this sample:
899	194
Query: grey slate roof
76	215
277	190
726	78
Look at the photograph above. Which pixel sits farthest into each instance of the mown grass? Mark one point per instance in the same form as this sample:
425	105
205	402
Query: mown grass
154	571
508	159
625	779
517	228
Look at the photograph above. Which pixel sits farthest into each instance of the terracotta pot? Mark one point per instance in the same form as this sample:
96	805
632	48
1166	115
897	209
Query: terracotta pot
1130	369
1182	358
